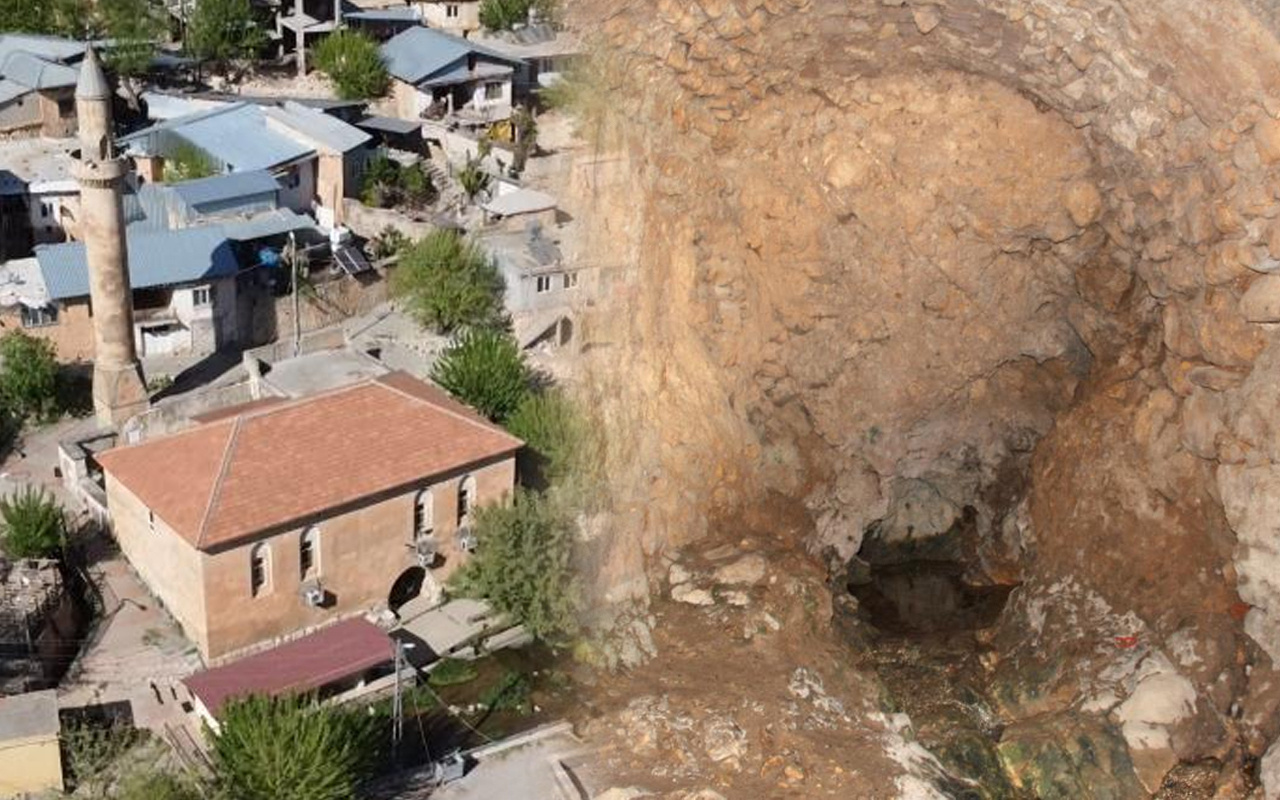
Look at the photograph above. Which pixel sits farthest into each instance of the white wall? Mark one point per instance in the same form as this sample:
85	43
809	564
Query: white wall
300	197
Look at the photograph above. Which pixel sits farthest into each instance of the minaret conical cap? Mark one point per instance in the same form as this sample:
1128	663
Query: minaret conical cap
92	84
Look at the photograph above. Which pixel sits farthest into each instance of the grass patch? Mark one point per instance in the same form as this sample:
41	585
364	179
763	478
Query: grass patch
452	672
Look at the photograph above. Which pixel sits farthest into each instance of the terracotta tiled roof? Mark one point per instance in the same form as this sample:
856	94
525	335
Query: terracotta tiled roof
269	466
331	654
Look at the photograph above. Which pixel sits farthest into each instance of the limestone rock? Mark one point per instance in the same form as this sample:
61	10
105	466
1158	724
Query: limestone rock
1261	302
724	741
1161	699
1270	773
747	570
1266	135
684	593
678	574
926	18
1084	203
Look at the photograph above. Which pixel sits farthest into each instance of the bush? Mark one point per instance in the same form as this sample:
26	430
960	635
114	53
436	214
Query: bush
151	785
550	425
93	754
503	15
32	523
452	672
28	376
485	369
522	565
354	64
448	282
512	692
390	241
386	184
472	178
290	749
187	163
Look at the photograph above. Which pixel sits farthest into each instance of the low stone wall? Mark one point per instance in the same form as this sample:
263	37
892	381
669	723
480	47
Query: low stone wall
369	222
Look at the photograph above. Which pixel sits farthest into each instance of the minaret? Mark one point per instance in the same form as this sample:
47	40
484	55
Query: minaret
118	390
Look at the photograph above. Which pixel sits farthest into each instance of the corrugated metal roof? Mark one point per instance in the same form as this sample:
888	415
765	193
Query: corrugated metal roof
419	53
224	188
273	223
11	90
236	135
321	129
461	74
409	15
38	73
390	124
51	48
160	258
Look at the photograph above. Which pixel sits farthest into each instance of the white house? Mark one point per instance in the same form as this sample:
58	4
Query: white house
443	77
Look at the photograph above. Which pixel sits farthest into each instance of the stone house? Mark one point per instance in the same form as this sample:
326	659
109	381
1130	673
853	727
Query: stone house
543	289
317	158
37	85
459	17
545	55
279	517
185	287
441	77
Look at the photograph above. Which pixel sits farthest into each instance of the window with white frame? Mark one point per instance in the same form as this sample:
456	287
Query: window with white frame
451	11
423	514
571	280
260	569
39	317
309	553
542	283
201	296
493	91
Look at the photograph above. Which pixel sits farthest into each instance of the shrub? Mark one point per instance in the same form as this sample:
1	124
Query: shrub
28	376
448	282
502	15
451	672
152	785
512	692
390	241
472	178
352	60
485	369
32	523
386	183
93	753
187	163
290	749
550	425
522	565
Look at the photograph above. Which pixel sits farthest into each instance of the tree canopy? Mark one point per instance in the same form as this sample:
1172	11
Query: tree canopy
485	369
28	376
290	749
32	524
502	15
354	64
448	282
224	30
523	565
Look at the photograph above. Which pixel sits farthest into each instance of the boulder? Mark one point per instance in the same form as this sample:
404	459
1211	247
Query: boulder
1084	203
684	593
747	570
1161	699
1261	303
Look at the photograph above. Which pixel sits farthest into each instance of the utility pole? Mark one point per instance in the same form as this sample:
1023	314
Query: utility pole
293	280
397	704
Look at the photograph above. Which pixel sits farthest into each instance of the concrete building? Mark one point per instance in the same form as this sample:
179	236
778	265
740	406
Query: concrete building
30	756
543	290
315	157
445	78
281	516
37	85
459	17
545	55
38	193
119	391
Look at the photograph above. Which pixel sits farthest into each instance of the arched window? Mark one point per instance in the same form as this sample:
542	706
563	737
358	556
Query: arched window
423	514
309	553
260	569
466	499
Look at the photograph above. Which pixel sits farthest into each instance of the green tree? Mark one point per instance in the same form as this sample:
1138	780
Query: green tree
485	369
53	17
134	27
354	64
187	163
28	376
449	282
386	184
32	523
525	131
503	15
153	785
290	749
551	427
223	30
523	565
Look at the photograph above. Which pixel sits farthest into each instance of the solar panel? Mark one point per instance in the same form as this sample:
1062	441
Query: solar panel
351	260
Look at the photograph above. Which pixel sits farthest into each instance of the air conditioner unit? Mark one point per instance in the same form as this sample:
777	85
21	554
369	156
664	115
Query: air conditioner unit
426	549
466	539
312	594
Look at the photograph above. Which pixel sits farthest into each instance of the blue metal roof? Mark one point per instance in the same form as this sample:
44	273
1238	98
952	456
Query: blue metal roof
164	258
273	223
235	135
398	14
221	189
50	48
419	53
35	72
323	129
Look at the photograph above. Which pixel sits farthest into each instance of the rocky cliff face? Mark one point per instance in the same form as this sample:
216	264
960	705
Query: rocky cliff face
1012	259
